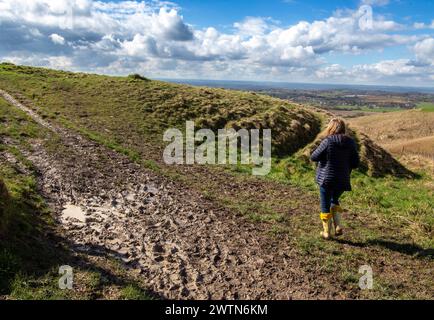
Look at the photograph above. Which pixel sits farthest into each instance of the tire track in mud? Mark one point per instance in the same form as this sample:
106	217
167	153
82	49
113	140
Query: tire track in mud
183	245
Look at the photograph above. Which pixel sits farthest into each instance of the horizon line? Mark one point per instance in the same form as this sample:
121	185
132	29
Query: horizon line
228	80
300	83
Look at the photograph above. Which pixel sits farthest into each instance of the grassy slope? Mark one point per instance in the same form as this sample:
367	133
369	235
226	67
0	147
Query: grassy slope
393	127
391	217
406	134
29	255
138	109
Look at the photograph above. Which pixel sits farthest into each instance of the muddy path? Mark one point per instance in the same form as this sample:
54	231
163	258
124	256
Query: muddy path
183	245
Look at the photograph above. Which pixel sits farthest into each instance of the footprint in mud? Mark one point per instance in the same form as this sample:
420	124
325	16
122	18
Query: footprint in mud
73	214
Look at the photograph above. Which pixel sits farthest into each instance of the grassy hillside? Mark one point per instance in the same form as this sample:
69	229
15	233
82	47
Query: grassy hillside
408	135
397	126
138	110
132	113
389	214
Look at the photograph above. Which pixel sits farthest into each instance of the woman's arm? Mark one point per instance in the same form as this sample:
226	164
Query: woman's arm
320	152
355	158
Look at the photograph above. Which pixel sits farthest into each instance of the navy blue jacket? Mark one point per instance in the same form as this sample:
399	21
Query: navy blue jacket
337	157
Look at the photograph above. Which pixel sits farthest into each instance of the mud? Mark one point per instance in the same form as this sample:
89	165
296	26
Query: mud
182	245
73	213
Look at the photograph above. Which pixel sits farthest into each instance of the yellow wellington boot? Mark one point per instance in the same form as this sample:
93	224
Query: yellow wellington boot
337	220
326	219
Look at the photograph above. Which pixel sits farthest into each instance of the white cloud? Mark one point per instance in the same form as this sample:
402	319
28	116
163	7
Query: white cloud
57	39
422	25
252	26
54	62
334	71
398	72
424	51
388	68
152	37
169	25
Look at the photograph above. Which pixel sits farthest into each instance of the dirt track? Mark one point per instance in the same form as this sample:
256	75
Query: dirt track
183	245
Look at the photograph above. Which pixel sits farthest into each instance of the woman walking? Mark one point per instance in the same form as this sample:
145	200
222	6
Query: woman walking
337	156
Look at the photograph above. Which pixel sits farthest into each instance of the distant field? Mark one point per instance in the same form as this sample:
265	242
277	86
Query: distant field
405	134
367	109
426	106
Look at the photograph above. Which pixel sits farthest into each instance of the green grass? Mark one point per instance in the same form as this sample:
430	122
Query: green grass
387	217
132	292
26	260
404	204
21	187
426	106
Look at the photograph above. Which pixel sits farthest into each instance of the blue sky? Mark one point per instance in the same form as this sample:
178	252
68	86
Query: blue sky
204	13
357	41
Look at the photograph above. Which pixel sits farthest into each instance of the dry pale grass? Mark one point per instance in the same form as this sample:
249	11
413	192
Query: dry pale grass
408	135
396	127
421	146
417	163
